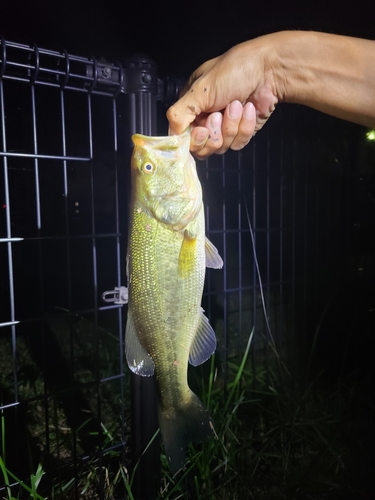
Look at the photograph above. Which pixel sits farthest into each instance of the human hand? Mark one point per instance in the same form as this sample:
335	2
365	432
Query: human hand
227	99
217	132
331	73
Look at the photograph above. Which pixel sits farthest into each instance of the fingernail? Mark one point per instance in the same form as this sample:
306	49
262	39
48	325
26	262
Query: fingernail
215	120
201	137
249	111
235	109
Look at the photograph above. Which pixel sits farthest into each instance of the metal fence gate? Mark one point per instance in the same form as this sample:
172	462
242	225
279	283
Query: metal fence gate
66	123
65	148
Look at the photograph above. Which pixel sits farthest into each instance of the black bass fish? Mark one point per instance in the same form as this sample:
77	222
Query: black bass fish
167	256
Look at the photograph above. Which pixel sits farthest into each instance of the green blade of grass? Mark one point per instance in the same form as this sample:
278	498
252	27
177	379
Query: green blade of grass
239	372
127	484
143	452
2	435
6	478
32	490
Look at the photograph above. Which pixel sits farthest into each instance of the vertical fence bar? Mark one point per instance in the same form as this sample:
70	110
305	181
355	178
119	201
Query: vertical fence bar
224	256
119	275
239	268
95	293
305	233
141	88
254	284
9	237
280	305
69	268
292	323
39	217
267	229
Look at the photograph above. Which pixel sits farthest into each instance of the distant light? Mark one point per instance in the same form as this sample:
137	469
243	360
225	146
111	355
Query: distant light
370	135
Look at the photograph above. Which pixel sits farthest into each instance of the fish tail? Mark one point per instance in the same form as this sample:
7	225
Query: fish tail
192	423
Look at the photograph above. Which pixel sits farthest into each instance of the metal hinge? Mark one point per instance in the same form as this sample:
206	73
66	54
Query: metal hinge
117	296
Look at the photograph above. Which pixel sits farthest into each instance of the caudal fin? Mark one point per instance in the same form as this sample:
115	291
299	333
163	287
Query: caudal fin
192	423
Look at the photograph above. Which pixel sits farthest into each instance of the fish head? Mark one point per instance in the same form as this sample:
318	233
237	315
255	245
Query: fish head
165	183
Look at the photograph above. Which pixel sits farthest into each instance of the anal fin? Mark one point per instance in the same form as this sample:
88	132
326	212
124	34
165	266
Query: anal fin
204	343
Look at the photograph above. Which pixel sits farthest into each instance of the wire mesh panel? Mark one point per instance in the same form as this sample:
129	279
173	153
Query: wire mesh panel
63	223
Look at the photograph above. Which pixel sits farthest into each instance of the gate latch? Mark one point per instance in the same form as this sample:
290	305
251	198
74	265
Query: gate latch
117	296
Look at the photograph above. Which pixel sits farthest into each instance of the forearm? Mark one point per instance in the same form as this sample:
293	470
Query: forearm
330	73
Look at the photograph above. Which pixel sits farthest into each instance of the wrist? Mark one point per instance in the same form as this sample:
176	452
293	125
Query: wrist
291	59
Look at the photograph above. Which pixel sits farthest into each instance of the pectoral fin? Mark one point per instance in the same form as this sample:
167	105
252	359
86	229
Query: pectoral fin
188	255
139	361
204	343
213	258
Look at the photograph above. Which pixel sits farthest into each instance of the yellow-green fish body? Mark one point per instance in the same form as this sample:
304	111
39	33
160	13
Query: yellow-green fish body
167	256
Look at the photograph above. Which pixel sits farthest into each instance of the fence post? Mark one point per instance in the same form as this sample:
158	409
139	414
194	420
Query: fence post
141	87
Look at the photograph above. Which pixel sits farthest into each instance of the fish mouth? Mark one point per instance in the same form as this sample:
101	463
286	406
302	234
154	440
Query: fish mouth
164	143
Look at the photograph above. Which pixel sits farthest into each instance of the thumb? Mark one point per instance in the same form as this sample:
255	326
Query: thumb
183	113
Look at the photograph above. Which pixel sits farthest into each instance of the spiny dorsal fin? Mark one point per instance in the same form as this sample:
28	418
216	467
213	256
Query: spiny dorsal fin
204	343
213	258
139	361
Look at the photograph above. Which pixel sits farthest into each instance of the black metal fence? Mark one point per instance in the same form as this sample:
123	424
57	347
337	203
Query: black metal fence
294	194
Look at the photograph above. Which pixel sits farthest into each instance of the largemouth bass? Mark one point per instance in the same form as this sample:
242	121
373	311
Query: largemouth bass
167	256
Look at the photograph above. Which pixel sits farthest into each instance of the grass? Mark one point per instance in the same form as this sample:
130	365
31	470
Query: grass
34	482
279	435
276	438
9	477
279	440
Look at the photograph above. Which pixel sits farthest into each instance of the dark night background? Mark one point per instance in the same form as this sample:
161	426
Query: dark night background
177	35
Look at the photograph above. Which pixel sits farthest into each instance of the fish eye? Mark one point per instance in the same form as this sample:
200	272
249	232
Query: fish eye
148	167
